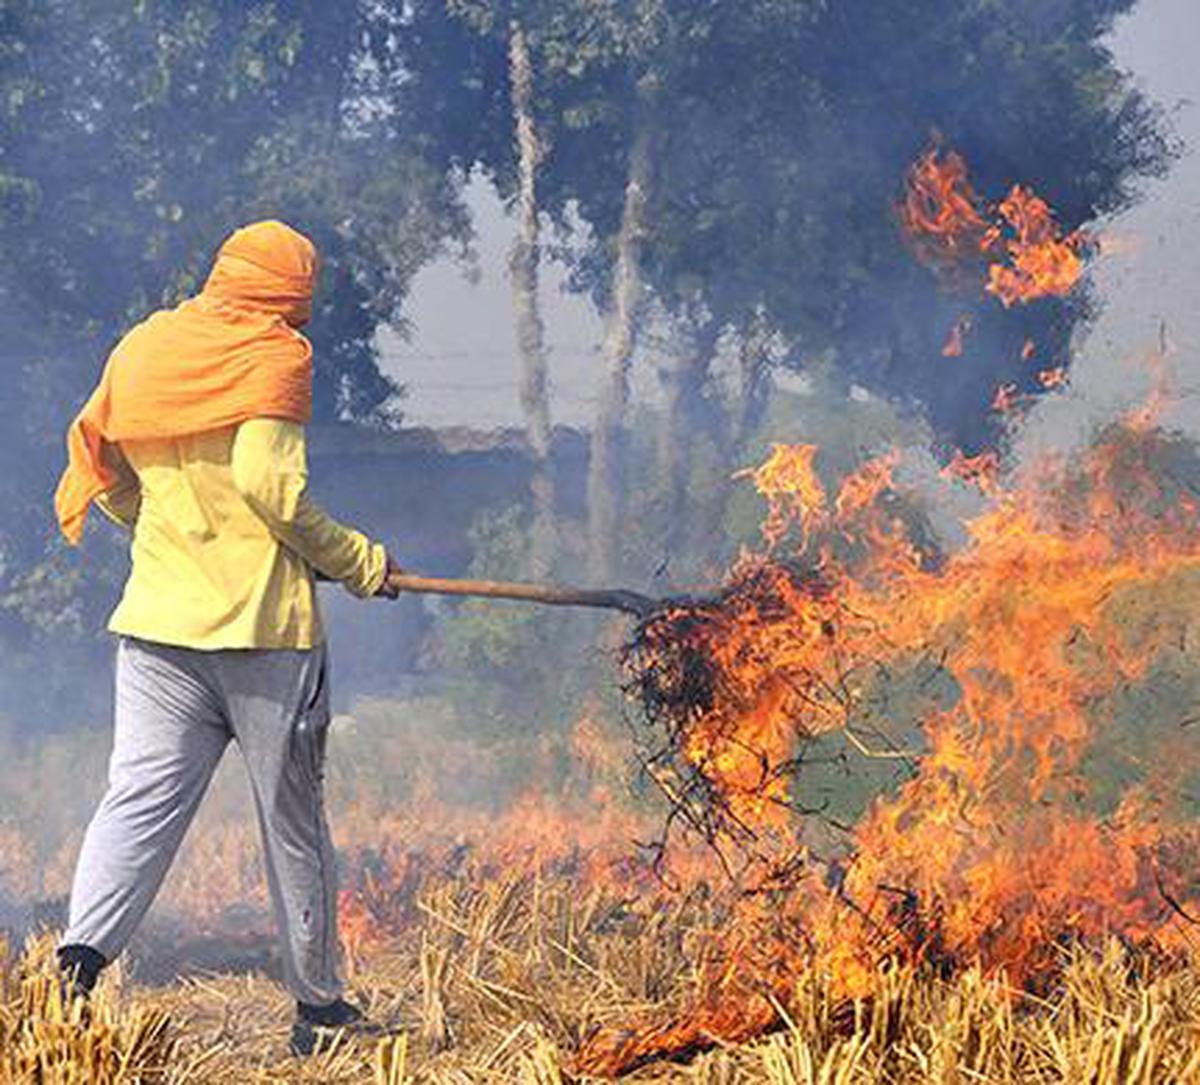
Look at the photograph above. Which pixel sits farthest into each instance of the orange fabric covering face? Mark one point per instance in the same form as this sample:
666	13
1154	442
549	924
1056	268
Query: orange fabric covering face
230	353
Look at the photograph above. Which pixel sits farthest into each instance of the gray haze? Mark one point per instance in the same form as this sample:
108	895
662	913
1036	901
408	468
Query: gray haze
461	363
1150	280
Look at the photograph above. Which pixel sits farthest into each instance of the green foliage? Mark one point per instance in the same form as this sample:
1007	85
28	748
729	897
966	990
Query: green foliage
782	130
515	667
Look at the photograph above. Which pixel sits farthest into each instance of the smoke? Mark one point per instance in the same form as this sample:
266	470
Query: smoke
418	676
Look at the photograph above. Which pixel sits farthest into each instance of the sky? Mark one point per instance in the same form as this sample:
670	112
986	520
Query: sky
1151	281
461	365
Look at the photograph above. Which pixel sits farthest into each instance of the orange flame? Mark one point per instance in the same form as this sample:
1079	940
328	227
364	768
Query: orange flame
1077	586
941	211
982	470
789	482
951	228
1042	261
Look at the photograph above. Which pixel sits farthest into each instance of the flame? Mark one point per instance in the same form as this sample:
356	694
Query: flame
789	482
1007	399
956	341
1053	378
981	470
1077	586
941	213
952	230
1042	262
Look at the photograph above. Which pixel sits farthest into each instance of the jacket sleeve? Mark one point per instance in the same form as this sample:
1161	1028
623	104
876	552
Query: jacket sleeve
270	471
122	501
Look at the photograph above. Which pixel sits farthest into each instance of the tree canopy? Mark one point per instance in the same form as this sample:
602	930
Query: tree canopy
783	132
146	131
776	135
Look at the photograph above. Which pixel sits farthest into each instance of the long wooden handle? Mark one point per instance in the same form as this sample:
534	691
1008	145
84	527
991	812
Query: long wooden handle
553	594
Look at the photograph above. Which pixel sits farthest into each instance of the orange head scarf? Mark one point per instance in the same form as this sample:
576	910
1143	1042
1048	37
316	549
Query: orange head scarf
230	353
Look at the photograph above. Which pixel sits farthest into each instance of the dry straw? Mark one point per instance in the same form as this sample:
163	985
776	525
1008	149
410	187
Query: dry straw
501	980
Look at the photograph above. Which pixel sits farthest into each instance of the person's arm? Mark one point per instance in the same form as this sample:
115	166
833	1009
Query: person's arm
270	471
122	501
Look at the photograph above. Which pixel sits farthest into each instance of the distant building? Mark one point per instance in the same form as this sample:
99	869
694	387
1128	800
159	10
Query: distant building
419	490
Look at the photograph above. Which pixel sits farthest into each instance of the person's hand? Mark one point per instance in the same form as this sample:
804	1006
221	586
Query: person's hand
389	589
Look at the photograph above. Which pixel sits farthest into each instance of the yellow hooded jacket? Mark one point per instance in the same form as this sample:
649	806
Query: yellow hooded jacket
213	483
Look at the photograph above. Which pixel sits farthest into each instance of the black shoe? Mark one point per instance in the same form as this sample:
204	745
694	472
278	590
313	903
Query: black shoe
80	967
316	1026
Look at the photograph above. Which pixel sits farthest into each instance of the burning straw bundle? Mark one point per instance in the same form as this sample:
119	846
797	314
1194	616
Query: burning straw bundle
733	687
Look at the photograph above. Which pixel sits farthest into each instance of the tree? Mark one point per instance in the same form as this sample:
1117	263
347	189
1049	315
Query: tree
784	130
523	273
783	163
595	62
181	121
606	473
778	139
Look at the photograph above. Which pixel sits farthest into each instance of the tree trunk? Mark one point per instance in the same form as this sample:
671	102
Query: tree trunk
731	422
523	275
606	468
683	378
754	381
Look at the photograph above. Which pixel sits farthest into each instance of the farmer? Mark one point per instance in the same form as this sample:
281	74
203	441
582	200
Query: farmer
194	439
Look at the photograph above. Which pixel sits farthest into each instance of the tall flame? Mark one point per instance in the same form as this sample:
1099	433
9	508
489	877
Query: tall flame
996	679
941	213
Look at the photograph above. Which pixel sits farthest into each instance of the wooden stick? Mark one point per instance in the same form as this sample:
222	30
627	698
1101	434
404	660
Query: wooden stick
552	594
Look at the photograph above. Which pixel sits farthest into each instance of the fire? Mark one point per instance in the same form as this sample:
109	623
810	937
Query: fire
751	663
1053	378
1042	262
1007	399
956	341
951	229
941	213
982	470
789	482
1030	812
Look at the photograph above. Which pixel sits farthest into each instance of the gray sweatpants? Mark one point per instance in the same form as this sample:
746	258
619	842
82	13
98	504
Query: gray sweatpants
176	709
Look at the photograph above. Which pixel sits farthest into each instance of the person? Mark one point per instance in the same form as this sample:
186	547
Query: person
194	439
